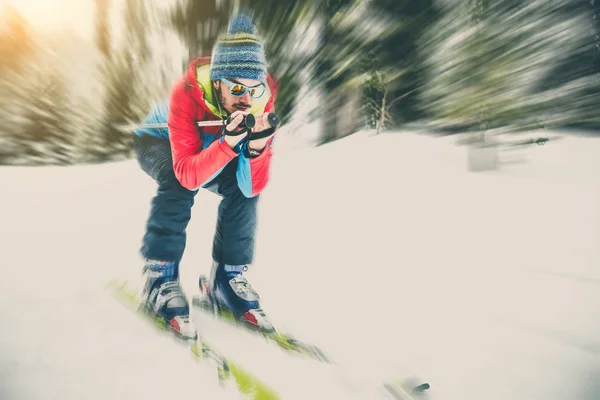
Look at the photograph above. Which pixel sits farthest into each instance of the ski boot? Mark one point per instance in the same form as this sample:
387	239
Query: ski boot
231	296
163	298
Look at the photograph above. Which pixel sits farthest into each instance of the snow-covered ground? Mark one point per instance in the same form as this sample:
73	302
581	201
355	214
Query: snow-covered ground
382	249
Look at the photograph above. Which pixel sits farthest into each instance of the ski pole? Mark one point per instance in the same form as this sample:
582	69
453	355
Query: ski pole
249	121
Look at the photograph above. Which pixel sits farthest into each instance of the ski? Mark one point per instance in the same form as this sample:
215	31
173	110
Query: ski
283	340
399	389
403	390
227	370
230	372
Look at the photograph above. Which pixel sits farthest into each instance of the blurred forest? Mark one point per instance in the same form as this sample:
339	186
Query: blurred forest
448	65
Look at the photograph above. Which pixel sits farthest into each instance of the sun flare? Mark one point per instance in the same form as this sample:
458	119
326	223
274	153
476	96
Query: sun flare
75	14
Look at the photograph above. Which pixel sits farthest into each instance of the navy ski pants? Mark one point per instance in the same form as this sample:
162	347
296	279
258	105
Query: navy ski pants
170	213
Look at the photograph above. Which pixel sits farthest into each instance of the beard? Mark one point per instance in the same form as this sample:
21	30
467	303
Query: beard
231	108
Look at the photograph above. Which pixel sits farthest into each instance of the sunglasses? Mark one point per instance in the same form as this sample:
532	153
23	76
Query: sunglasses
238	90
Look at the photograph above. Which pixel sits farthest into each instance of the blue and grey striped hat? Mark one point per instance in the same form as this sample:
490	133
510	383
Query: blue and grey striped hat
239	53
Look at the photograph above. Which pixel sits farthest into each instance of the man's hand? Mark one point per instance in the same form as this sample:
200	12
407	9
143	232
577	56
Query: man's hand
237	118
262	124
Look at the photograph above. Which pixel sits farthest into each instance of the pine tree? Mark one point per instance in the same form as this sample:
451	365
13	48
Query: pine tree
571	87
125	100
45	131
198	23
485	68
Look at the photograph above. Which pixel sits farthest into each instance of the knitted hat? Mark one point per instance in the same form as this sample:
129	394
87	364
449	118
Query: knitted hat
239	53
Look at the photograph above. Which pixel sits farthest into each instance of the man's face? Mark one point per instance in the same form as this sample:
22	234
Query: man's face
234	103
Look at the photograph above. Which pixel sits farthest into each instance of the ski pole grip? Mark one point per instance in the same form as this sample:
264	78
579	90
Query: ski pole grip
274	120
248	122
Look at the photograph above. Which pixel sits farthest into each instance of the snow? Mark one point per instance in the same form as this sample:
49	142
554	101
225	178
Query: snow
382	249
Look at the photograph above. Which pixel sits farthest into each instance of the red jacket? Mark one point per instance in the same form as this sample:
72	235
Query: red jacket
196	161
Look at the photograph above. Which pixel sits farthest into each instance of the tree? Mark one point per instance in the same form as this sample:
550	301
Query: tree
400	54
44	132
128	94
484	69
379	102
571	87
198	23
394	69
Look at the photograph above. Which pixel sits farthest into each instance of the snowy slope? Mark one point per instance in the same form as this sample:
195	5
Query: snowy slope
384	250
64	232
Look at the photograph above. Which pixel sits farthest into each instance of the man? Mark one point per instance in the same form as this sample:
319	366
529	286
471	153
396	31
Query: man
225	160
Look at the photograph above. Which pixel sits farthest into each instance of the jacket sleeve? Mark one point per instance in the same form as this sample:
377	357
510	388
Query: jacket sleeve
158	115
253	173
193	166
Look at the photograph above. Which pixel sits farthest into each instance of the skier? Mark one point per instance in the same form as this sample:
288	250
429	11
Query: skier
224	160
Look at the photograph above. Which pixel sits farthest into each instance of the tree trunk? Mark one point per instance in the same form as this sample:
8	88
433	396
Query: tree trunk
383	111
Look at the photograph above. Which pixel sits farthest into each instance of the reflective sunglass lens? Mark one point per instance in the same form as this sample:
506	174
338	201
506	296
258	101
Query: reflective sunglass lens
238	90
